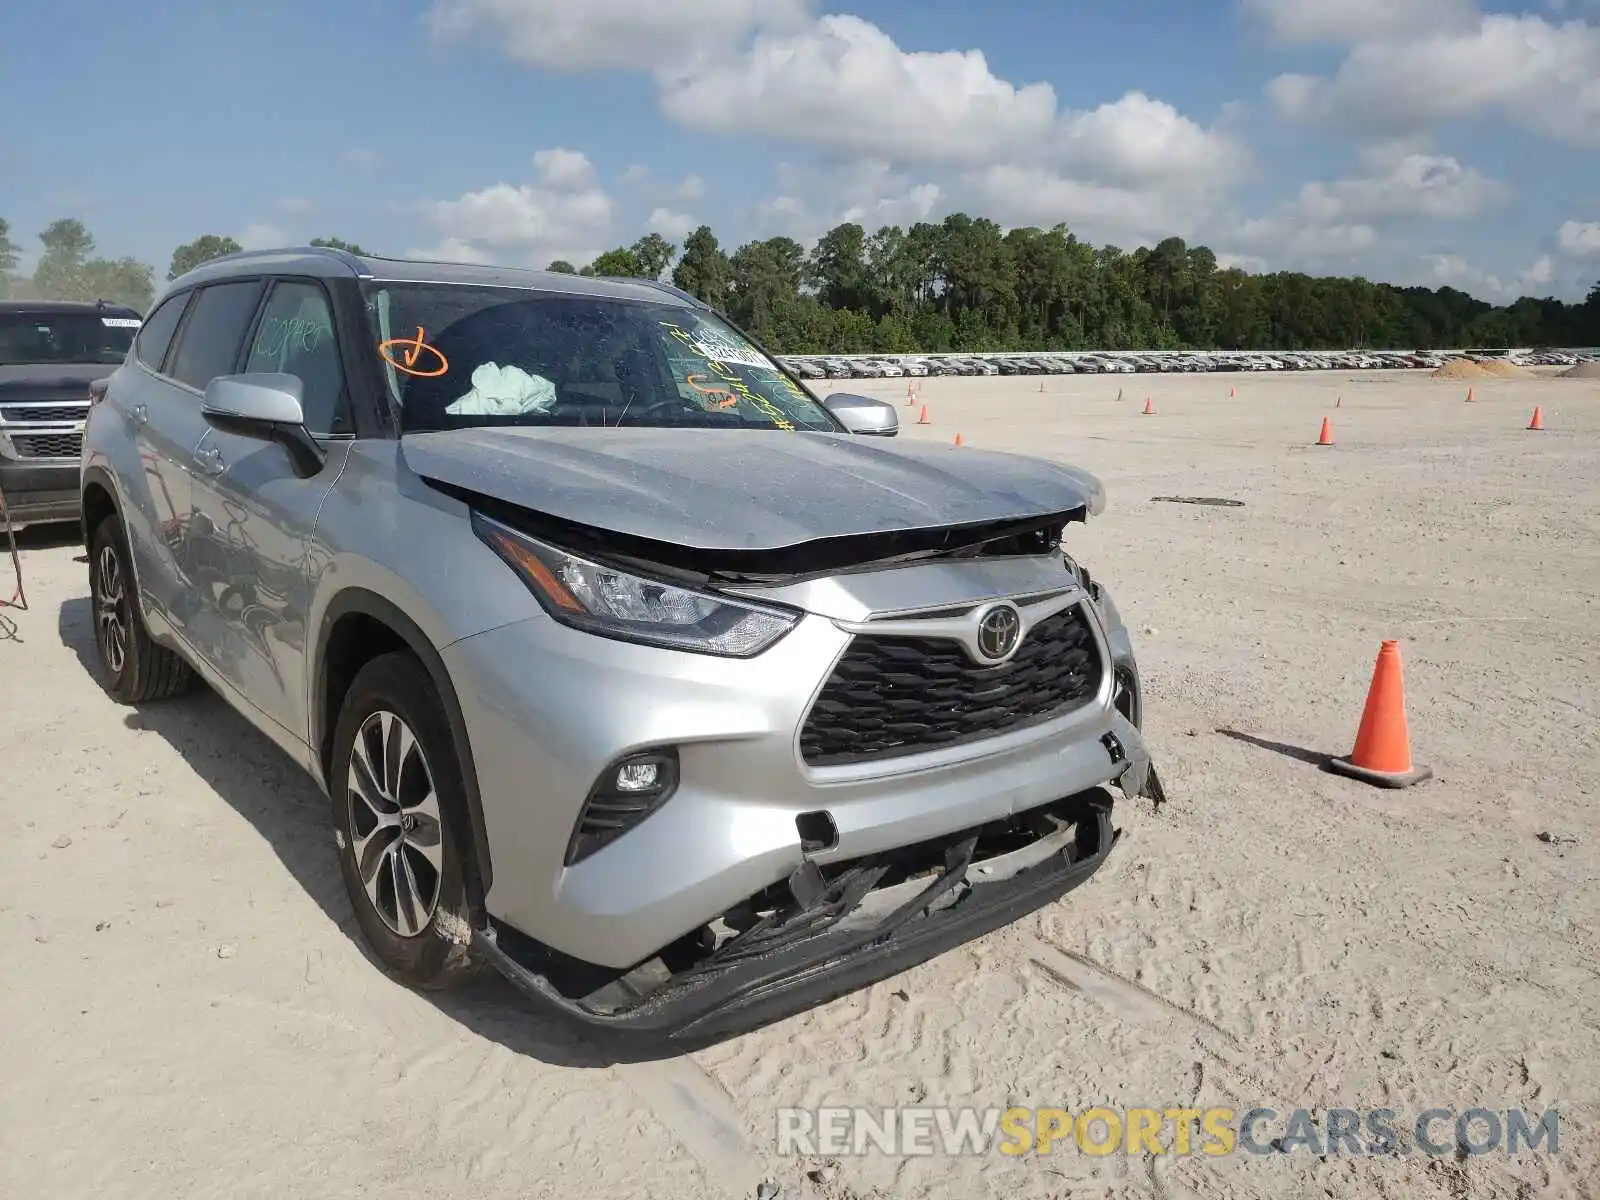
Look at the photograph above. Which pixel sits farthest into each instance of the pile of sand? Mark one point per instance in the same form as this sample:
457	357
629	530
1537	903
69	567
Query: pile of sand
1504	370
1584	370
1466	368
1459	368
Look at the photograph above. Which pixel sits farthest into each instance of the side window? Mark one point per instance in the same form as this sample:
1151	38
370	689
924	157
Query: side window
296	337
158	329
209	343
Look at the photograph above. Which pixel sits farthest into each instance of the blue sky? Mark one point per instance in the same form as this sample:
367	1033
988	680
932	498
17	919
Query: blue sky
1419	141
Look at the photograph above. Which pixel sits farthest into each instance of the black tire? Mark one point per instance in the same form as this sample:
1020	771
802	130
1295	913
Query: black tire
434	953
133	668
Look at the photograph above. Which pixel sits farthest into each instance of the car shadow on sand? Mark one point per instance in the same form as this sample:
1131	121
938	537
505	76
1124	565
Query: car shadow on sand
267	788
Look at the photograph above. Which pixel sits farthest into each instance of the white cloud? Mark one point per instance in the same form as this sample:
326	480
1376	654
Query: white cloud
452	250
1581	239
1412	185
844	84
591	34
789	216
261	237
674	226
840	83
1096	212
1451	270
561	211
1141	141
1289	240
870	193
1228	260
913	135
1356	20
686	191
564	169
1543	76
1331	224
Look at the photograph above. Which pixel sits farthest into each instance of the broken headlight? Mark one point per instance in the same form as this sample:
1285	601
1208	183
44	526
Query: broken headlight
1098	596
612	603
1078	572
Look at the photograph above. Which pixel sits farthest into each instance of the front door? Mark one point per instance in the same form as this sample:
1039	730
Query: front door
254	515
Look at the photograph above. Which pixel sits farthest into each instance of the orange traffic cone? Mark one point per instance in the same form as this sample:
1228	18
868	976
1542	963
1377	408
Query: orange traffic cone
1232	392
1149	408
958	439
1382	754
922	417
911	394
1325	438
1469	395
1538	418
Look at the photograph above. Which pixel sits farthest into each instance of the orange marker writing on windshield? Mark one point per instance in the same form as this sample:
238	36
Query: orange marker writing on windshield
413	348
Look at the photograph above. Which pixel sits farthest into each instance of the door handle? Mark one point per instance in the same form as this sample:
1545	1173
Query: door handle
139	414
212	462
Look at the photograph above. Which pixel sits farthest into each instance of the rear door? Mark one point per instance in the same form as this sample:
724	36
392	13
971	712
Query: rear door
165	410
254	514
149	516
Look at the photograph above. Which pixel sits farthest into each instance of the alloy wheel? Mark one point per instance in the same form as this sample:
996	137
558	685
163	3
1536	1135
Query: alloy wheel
394	823
111	609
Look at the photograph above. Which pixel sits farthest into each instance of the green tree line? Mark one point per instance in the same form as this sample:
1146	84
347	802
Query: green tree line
962	284
69	270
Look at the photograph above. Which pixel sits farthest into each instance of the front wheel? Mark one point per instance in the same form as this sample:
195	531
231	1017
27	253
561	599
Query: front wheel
395	782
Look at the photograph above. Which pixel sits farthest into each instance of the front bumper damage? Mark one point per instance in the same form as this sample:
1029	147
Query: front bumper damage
829	930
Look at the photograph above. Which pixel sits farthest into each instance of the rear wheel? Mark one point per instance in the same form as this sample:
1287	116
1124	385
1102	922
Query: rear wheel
395	781
134	668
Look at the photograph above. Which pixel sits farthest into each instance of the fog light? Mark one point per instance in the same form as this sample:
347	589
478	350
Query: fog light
627	791
638	776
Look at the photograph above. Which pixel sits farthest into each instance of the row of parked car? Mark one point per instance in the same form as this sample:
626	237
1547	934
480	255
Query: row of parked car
879	366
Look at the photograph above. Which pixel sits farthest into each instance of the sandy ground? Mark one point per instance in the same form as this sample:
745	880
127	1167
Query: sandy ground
185	1011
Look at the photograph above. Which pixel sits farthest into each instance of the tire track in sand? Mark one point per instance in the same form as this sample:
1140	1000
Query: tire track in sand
702	1116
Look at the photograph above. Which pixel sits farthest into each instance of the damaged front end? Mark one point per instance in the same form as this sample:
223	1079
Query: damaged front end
826	930
845	777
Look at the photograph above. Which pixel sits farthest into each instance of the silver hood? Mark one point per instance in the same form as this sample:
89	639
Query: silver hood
715	489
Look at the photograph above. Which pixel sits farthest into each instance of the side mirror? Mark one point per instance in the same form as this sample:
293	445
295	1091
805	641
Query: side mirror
863	414
265	406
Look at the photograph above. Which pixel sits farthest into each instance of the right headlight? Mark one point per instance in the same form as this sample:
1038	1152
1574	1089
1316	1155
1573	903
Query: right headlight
611	603
1098	596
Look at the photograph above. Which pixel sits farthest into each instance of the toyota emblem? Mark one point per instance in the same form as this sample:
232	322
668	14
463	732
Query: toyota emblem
999	632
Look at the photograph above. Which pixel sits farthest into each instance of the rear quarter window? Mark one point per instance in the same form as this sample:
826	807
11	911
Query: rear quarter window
156	336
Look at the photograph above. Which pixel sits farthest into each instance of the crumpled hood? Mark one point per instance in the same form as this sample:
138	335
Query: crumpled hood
714	489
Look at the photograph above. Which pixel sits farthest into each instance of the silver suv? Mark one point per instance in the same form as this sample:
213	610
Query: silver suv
629	666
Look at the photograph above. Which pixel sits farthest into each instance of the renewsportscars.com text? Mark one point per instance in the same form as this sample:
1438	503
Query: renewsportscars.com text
1103	1131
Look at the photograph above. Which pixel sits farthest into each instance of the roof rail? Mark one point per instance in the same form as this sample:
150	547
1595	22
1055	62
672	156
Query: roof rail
344	256
670	289
677	291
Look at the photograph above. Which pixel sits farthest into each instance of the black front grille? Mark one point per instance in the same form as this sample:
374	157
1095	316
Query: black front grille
891	696
43	412
48	445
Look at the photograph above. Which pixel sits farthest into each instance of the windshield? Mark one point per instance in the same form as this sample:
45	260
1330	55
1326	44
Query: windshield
460	355
31	338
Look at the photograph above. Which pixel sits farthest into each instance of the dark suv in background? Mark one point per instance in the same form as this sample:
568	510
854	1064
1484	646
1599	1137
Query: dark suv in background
50	352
